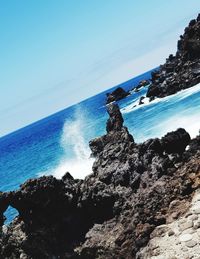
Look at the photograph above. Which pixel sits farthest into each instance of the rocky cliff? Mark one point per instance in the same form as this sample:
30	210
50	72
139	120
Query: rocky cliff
179	72
112	213
182	70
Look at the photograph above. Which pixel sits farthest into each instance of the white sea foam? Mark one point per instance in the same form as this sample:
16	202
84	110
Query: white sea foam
73	134
175	97
190	123
81	164
73	141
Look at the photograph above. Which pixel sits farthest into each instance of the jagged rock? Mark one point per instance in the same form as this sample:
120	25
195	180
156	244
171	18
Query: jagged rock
4	203
116	95
112	212
141	84
182	70
115	122
141	100
176	141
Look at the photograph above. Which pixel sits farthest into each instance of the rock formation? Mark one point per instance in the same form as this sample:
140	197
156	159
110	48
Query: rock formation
116	95
178	238
179	72
182	70
113	212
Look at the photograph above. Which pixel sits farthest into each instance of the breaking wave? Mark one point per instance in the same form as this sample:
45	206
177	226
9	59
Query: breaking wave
76	153
177	97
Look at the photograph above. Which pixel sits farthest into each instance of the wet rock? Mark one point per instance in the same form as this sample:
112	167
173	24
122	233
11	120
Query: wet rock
116	95
141	84
141	100
115	121
113	212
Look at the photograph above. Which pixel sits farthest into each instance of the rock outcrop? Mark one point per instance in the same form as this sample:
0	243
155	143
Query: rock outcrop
116	95
120	93
179	72
182	70
113	212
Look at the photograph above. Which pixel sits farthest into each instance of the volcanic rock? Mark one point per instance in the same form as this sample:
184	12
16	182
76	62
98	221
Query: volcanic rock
182	70
134	189
116	95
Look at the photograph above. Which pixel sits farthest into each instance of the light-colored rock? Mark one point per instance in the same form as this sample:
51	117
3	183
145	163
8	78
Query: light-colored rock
196	208
185	225
185	237
191	243
197	198
23	256
193	217
189	213
184	243
196	225
189	231
171	232
184	249
4	229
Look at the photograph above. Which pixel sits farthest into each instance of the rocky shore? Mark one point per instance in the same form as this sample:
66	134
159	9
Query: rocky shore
179	72
177	239
134	191
142	199
182	70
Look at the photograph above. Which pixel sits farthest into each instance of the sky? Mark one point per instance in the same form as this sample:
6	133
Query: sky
56	53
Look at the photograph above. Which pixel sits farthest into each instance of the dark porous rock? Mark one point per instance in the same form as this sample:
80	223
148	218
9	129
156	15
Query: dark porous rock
141	100
116	95
4	203
141	84
113	211
115	122
182	70
176	141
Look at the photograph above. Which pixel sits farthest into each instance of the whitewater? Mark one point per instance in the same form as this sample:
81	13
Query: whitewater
59	143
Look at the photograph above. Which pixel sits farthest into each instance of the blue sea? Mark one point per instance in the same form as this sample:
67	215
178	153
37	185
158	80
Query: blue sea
59	143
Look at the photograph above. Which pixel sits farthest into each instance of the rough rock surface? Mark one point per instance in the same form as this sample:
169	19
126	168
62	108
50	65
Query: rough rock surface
112	213
116	95
182	70
178	239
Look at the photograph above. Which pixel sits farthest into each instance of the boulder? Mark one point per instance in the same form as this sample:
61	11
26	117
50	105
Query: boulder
116	95
175	141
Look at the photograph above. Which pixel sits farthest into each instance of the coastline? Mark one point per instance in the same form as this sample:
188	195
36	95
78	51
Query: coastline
113	211
180	71
134	192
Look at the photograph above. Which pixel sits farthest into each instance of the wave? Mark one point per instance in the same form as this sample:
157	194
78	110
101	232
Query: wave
181	95
76	153
135	105
190	123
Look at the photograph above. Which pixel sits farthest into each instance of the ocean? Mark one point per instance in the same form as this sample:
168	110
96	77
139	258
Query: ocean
59	143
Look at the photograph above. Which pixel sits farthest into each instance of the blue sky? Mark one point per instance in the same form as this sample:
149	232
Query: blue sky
56	53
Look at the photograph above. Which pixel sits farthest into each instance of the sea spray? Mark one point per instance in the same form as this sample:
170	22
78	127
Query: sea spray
76	153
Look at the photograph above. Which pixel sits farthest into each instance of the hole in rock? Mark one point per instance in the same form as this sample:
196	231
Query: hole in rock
10	214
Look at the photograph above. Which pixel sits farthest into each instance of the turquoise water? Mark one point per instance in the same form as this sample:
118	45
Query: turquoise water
59	143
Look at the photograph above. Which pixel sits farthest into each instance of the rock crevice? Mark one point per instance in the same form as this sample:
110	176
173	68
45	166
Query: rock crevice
113	211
